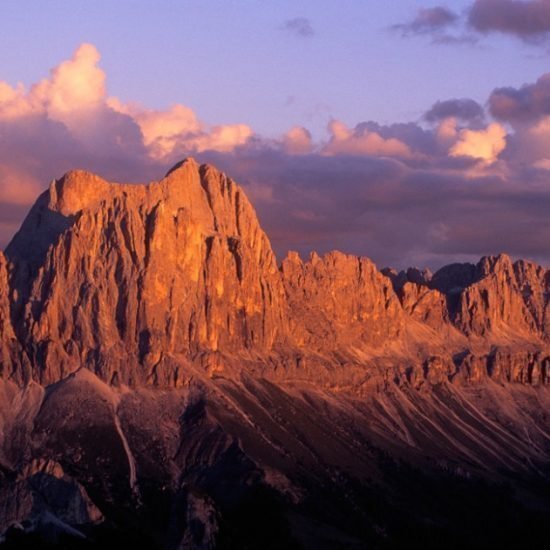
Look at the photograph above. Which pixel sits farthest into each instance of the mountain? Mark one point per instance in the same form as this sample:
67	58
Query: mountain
164	383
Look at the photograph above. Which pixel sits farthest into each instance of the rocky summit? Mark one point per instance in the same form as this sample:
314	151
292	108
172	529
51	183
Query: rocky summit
166	384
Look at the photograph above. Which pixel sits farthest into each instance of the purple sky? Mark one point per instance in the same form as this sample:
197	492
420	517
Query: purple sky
410	132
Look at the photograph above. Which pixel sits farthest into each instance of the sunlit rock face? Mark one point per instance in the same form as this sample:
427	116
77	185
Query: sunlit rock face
339	301
131	276
135	282
163	382
497	299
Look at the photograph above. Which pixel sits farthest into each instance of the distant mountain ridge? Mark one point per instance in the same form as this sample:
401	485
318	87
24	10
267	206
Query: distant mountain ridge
151	348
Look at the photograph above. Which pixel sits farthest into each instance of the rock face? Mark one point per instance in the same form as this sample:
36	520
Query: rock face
164	382
134	282
497	299
12	363
339	301
495	303
141	274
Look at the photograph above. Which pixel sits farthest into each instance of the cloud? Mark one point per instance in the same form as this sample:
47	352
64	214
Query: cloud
395	214
465	109
298	141
362	141
178	130
441	24
75	85
447	131
448	187
428	21
527	20
67	120
485	144
299	26
517	105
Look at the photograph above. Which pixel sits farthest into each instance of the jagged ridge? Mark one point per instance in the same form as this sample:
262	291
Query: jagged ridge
135	281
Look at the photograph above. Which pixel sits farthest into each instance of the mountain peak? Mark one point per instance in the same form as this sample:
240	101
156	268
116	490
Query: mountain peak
188	162
169	268
76	190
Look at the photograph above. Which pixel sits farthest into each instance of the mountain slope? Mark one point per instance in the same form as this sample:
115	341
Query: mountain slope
165	382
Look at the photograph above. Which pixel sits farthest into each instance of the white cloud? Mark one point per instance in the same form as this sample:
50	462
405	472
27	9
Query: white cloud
480	144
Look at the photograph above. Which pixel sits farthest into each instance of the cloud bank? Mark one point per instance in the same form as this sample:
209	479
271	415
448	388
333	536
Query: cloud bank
528	20
525	19
460	182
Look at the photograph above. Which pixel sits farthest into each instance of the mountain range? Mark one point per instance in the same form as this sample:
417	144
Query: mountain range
165	383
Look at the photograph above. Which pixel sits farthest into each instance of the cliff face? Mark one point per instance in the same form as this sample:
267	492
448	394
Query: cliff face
137	282
131	276
337	302
506	300
11	360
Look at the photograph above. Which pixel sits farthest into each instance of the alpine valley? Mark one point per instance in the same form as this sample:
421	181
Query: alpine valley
165	383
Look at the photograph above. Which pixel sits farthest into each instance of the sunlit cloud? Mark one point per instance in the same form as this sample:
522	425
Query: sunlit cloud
456	183
480	144
298	141
74	88
361	141
178	129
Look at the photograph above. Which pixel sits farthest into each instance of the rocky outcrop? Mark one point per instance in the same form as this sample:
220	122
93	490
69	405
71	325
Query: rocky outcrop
494	304
12	361
424	304
134	275
496	300
339	301
43	498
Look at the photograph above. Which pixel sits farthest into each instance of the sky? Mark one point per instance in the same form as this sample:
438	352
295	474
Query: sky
412	132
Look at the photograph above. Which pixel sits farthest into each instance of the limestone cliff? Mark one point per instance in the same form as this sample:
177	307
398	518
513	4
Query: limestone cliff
339	301
12	361
138	283
131	276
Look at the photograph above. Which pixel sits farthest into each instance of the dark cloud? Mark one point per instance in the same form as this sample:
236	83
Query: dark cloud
441	24
463	109
428	20
527	20
527	103
300	26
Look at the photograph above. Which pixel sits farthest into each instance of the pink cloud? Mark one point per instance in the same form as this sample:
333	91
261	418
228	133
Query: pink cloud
451	185
298	141
485	144
362	141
